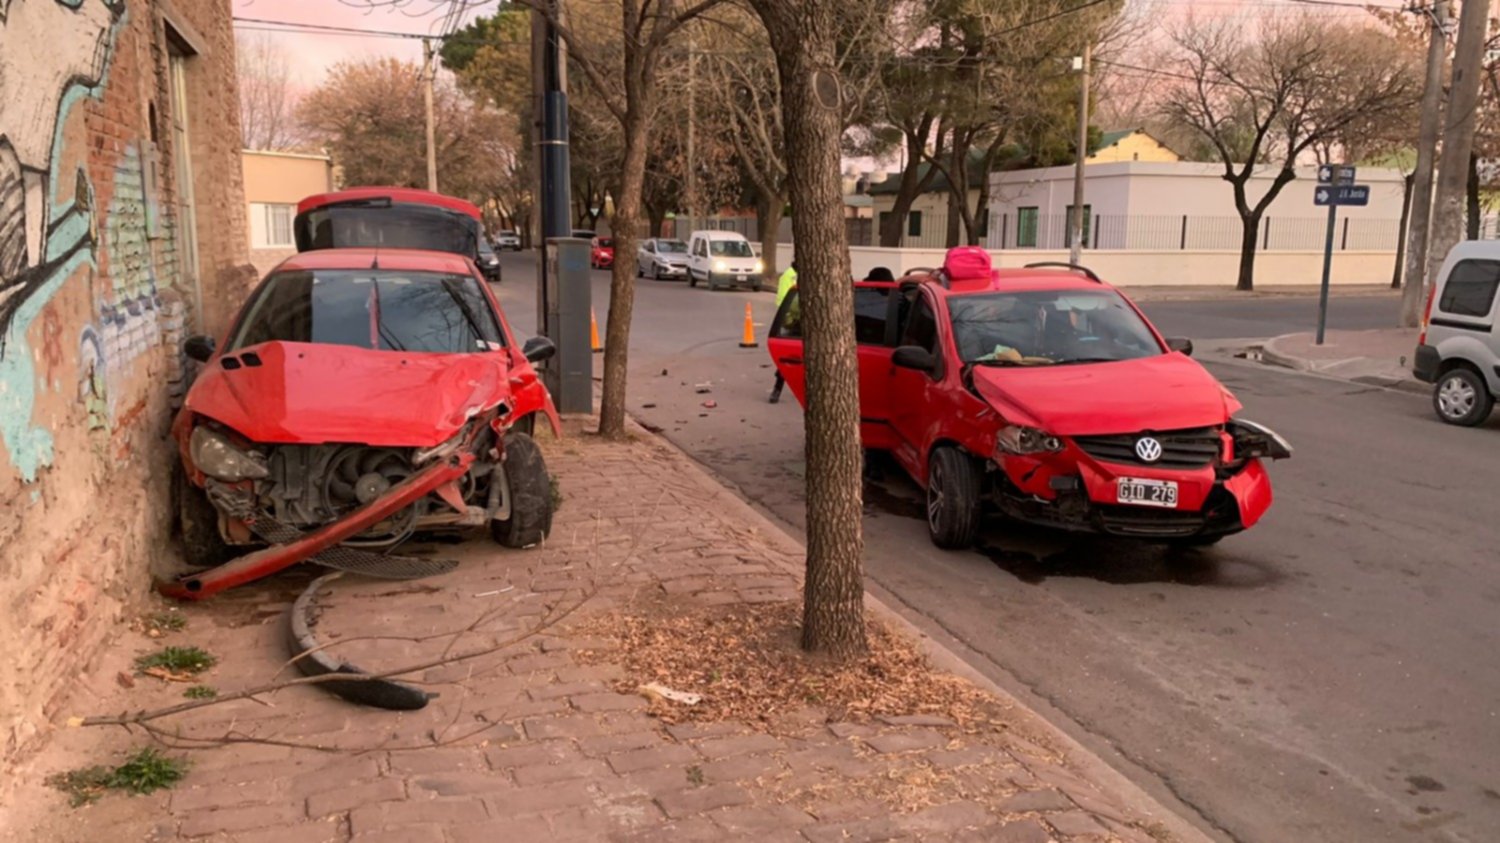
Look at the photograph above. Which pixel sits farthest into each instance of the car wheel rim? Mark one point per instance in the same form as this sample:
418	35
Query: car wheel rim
934	497
1456	398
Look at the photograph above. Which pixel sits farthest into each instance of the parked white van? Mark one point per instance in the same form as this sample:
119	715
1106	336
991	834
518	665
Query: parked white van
722	259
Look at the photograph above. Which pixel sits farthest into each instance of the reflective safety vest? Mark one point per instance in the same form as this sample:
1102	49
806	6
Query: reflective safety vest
784	284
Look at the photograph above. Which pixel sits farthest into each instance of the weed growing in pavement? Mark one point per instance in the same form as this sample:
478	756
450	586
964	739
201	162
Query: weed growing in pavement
157	624
201	692
177	660
695	775
557	495
144	772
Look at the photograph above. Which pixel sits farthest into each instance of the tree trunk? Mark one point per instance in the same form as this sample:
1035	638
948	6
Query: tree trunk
803	35
1458	135
951	237
894	226
656	218
1411	180
768	214
1249	244
626	228
1475	212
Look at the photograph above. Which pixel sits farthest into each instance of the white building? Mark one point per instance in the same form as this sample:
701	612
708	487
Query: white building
1186	206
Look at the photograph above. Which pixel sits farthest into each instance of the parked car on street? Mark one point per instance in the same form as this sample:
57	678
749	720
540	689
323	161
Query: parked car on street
489	262
1044	396
508	239
722	259
602	253
369	388
584	233
661	259
1457	350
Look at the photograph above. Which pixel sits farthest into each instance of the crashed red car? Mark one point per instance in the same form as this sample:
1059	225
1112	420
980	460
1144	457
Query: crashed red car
602	255
361	395
1045	396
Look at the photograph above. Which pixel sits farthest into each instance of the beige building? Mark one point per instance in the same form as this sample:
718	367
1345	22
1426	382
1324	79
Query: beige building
1131	145
274	183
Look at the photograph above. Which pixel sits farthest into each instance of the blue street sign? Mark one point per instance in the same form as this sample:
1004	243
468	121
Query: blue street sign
1344	194
1335	174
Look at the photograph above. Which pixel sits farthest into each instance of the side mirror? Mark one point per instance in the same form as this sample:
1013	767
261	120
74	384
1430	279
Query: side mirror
538	349
199	347
1182	344
914	357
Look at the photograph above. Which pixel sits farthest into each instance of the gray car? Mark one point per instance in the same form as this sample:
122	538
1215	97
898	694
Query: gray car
1458	351
661	259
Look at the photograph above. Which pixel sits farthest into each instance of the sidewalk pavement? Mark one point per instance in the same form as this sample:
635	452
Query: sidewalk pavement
547	739
1381	357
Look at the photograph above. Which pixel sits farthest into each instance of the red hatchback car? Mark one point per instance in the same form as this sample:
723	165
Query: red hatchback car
1045	396
361	394
602	255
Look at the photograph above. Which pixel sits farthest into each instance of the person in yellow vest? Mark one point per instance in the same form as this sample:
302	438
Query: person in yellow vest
784	285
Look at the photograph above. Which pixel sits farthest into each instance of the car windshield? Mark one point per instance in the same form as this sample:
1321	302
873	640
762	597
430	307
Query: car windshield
671	247
731	248
507	234
388	310
606	243
1048	327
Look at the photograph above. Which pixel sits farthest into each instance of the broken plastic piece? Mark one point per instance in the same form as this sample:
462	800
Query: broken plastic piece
658	691
705	387
710	404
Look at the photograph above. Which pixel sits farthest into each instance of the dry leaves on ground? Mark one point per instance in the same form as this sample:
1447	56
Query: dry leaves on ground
746	663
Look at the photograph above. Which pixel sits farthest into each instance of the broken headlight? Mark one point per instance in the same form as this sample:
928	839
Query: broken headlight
1019	440
1253	441
216	455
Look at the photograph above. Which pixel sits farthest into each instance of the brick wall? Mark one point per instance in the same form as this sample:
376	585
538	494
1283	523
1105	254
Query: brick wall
95	298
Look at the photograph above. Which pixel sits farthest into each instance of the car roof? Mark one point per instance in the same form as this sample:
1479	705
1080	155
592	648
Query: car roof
1012	280
409	195
713	234
411	260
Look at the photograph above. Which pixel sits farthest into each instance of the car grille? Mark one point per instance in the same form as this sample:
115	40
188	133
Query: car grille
1140	522
1179	448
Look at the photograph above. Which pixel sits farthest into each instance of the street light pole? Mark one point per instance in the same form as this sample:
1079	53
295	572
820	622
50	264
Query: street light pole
1075	223
429	72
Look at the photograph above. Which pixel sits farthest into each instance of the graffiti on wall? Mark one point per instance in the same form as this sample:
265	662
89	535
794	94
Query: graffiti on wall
53	55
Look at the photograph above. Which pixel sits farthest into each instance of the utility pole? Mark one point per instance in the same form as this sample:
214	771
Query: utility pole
429	73
691	182
1075	223
1420	215
1458	134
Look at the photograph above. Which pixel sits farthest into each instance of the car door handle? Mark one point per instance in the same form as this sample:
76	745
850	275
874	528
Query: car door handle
790	361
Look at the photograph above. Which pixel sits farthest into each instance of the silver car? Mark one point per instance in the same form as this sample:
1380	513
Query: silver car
1458	351
661	259
508	240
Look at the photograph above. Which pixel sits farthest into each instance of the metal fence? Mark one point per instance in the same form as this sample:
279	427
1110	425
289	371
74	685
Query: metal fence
1154	233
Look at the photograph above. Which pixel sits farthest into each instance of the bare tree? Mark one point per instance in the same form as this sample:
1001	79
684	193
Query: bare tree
268	103
1264	102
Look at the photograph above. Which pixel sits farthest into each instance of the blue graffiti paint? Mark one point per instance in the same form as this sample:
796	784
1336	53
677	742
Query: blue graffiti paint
69	247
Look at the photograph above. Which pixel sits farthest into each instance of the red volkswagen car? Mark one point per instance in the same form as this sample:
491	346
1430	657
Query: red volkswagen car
602	255
369	388
1045	396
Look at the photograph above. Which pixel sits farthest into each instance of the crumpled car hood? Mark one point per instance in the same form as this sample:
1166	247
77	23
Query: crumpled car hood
1163	392
314	393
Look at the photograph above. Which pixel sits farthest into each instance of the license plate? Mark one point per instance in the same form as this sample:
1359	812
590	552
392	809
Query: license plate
739	279
1146	492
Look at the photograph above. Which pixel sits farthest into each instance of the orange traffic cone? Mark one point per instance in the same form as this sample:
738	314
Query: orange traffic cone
748	341
594	333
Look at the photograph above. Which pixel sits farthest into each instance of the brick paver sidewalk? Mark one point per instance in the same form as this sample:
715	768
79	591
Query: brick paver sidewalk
537	741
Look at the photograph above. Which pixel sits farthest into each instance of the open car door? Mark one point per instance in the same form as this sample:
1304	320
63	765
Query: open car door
873	309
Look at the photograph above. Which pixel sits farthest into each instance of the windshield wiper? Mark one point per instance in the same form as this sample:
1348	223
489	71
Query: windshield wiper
463	307
1090	360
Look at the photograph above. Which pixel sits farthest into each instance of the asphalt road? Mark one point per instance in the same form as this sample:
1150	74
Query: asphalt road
1327	675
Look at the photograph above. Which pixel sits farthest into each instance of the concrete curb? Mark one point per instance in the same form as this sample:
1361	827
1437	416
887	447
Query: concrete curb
1078	757
1271	355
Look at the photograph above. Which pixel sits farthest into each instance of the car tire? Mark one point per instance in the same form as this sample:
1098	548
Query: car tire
530	494
953	480
198	525
1461	397
692	279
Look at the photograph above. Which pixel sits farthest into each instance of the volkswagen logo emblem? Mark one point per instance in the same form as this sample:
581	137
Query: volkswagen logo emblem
1148	449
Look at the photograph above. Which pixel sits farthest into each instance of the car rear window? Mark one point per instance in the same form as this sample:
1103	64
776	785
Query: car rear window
375	309
1470	290
870	311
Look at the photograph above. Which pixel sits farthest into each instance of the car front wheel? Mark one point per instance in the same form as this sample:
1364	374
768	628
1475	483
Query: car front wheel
1462	398
953	481
530	494
198	525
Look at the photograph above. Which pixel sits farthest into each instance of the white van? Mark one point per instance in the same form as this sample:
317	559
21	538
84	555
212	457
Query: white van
722	259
